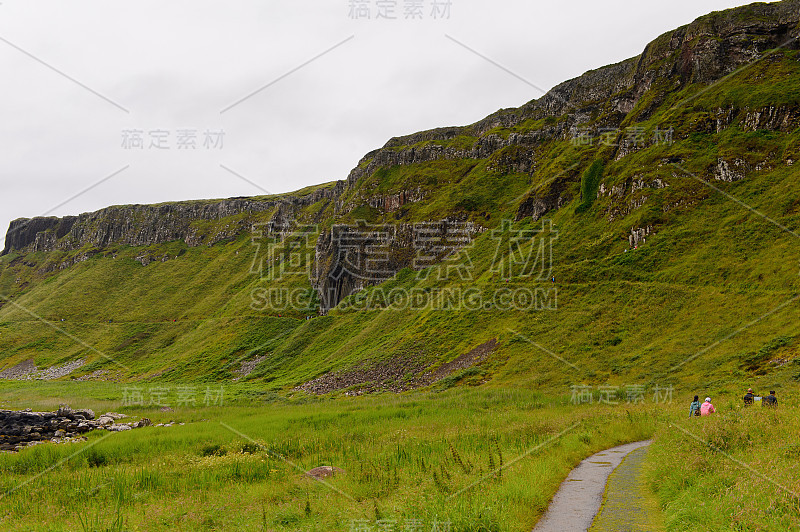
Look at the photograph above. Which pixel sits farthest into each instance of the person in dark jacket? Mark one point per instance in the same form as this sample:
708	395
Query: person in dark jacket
770	400
749	397
694	408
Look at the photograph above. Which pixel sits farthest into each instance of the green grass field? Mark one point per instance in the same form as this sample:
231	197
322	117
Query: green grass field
471	459
737	470
479	460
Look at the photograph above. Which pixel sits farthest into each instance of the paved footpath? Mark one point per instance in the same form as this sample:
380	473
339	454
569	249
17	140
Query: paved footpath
580	496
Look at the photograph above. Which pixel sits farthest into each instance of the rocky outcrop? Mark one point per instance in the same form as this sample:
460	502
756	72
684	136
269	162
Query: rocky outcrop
19	429
704	51
545	198
768	118
145	225
349	258
629	195
731	171
392	202
397	375
23	232
639	235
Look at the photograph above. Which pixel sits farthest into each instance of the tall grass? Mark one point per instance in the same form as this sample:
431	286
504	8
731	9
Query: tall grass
482	460
737	470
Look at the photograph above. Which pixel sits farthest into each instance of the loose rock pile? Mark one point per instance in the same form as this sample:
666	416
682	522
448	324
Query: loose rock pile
19	429
27	370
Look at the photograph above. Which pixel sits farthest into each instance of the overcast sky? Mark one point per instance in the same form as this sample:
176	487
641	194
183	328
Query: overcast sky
283	93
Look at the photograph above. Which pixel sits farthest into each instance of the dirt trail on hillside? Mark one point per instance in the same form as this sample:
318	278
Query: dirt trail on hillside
580	496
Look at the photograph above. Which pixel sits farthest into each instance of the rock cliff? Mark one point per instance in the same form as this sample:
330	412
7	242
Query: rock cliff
709	49
144	225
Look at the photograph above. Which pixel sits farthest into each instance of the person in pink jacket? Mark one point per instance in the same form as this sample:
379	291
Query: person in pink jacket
707	408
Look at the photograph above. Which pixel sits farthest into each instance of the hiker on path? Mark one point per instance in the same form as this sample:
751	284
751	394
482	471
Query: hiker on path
749	397
694	408
770	400
707	408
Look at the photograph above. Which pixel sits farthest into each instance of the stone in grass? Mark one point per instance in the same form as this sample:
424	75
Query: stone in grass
104	420
144	422
322	472
68	413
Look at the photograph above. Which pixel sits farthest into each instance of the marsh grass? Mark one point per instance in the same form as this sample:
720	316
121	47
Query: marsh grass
445	456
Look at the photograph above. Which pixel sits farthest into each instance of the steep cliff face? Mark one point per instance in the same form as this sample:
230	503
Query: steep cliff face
508	142
352	257
144	225
704	51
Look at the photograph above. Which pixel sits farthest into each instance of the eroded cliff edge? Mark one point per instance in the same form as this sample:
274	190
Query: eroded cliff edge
510	141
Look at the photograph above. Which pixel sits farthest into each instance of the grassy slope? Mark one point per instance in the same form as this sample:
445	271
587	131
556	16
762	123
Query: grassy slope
711	267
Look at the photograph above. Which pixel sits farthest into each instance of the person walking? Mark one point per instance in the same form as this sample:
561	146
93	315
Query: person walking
707	408
770	400
749	397
694	408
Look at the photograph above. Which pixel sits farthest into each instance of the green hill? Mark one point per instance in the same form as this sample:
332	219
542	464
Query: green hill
636	225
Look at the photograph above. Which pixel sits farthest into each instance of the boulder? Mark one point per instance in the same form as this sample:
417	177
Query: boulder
322	472
144	422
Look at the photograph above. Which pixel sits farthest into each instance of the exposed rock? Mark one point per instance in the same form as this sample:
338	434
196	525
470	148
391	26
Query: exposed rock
639	235
730	172
67	412
144	422
324	472
396	375
641	184
19	371
624	197
388	375
393	202
105	421
544	199
350	258
19	429
772	118
248	367
144	225
27	370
